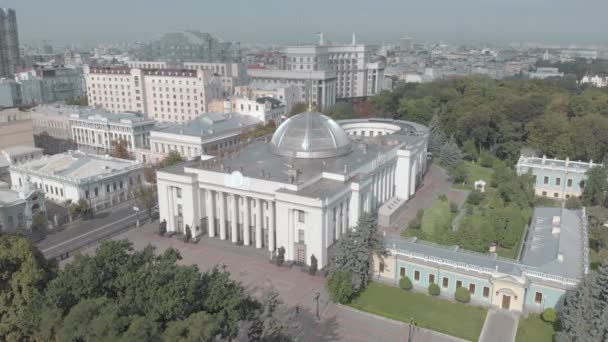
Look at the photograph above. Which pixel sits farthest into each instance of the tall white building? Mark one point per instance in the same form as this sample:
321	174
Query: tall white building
301	191
164	94
94	131
288	94
231	74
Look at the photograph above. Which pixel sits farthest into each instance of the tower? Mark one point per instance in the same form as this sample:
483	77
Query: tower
9	43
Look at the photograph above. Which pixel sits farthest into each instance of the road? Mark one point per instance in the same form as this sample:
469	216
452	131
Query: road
105	224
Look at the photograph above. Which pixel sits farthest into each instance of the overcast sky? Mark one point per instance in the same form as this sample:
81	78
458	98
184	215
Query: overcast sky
291	21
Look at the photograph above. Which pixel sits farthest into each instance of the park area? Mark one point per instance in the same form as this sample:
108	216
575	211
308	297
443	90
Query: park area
459	320
533	328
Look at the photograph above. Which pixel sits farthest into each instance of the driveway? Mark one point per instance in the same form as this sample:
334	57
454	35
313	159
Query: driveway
251	267
500	326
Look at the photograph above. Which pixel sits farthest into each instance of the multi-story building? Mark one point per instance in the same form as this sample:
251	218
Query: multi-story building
555	257
68	177
10	93
542	73
173	95
95	131
264	109
9	43
147	65
597	81
15	155
16	128
52	130
17	208
301	191
231	74
50	84
556	178
288	94
209	133
318	88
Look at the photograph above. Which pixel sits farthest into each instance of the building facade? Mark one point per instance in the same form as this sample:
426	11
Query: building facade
209	133
50	84
172	95
265	109
95	131
231	74
102	181
10	59
301	191
17	208
288	94
52	129
555	257
16	128
555	178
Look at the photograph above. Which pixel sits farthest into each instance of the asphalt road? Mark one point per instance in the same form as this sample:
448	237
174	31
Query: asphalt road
87	232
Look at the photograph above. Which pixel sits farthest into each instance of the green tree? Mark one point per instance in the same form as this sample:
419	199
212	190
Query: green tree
594	192
340	111
120	149
145	197
80	209
23	277
573	203
462	295
458	172
39	223
340	286
450	154
172	158
198	326
298	108
405	283
270	323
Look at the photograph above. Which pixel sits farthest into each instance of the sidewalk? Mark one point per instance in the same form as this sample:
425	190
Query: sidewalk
500	326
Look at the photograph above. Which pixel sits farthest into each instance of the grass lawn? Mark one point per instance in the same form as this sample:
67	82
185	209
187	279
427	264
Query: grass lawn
433	313
475	173
533	328
437	217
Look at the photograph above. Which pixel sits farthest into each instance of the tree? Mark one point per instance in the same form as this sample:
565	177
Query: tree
450	154
145	197
172	158
355	250
470	150
405	283
298	108
573	203
120	149
270	323
583	311
437	137
39	223
199	326
594	192
150	175
80	209
340	286
25	273
312	270
340	111
549	315
458	172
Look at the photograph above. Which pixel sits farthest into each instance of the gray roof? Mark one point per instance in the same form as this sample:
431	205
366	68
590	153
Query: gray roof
94	114
209	124
548	163
310	135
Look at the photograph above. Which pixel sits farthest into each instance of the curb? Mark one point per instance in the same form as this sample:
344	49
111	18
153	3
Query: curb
390	320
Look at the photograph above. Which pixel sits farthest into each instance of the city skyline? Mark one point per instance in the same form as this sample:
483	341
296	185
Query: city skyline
540	21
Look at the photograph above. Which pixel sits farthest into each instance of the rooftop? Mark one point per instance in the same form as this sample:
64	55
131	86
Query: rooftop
76	166
210	124
93	114
545	162
20	150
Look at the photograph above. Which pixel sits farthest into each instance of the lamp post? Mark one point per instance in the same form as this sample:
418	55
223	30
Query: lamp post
317	295
136	209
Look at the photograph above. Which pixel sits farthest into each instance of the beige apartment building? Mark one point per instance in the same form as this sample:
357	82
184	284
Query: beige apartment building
169	95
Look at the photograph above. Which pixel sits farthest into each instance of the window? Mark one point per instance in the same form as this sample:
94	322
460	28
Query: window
301	235
96	192
431	279
108	188
402	272
544	193
558	181
61	190
538	298
86	194
178	192
546	180
486	292
446	282
458	283
472	288
301	216
381	267
569	182
555	194
416	275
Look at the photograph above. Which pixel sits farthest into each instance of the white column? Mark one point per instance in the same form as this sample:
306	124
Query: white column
271	232
258	223
344	216
211	212
171	211
246	223
234	220
338	223
222	215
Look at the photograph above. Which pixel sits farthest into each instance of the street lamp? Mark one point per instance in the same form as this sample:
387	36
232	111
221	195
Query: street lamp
317	295
136	209
410	333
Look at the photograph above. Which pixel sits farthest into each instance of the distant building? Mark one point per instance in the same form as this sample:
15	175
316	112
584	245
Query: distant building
168	95
52	130
231	74
102	181
16	155
95	131
17	208
147	65
40	85
208	133
542	73
597	81
16	128
288	94
10	93
555	257
9	43
556	178
264	109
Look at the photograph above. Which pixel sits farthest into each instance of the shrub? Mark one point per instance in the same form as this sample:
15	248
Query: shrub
340	286
434	289
280	256
486	159
416	223
549	315
312	270
453	207
443	198
405	283
475	197
462	295
573	203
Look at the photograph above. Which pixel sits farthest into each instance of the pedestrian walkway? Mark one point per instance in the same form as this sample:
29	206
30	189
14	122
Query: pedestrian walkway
500	326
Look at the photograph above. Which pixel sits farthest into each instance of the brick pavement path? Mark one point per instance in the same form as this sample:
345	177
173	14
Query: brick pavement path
499	326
